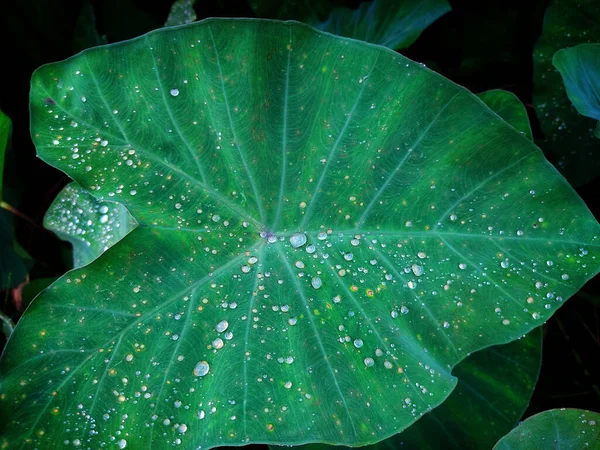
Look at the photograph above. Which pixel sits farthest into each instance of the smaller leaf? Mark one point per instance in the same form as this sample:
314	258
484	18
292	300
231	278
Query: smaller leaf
181	12
580	70
389	23
92	226
564	429
508	106
4	134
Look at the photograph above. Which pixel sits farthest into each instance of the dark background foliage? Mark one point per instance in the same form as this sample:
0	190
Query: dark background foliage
480	44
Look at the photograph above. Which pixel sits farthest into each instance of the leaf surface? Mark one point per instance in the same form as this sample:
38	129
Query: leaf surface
565	429
91	226
325	229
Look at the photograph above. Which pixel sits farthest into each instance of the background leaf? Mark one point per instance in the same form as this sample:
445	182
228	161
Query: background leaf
566	429
181	12
337	225
91	226
509	107
580	69
391	23
568	136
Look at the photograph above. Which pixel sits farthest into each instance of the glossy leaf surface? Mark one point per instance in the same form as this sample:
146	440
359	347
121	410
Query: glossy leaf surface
91	226
568	136
565	429
509	107
580	69
325	229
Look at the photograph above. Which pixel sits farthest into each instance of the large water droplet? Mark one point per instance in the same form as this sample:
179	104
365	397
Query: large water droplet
201	369
298	240
316	282
222	326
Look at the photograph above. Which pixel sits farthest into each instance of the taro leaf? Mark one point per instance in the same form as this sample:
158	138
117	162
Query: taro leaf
509	107
568	135
565	429
580	70
91	226
390	23
181	12
325	229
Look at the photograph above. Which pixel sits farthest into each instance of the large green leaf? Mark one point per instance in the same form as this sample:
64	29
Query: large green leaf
580	69
325	229
565	429
568	136
390	23
91	226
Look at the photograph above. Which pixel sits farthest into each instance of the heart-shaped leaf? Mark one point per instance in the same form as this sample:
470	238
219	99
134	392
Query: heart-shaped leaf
325	229
565	429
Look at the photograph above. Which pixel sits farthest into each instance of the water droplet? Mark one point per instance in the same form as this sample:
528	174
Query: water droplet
358	343
354	242
316	282
122	443
201	369
369	362
298	240
104	219
504	264
394	314
348	256
299	264
222	326
287	385
322	236
564	276
404	309
311	249
421	255
462	266
216	218
417	269
174	92
103	209
453	217
218	343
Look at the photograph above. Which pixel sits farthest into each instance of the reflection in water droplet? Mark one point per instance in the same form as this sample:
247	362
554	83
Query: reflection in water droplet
122	443
201	369
358	343
369	362
222	326
404	309
174	92
504	264
311	249
218	343
417	269
316	282
298	240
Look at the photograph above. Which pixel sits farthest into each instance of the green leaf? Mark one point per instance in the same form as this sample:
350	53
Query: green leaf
565	429
509	107
580	70
91	226
568	136
182	12
385	22
325	229
85	34
301	10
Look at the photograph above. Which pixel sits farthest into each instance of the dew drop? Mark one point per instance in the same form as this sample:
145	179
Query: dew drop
222	326
316	282
358	343
122	443
417	269
218	343
311	249
174	92
298	240
369	362
201	369
348	256
504	264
